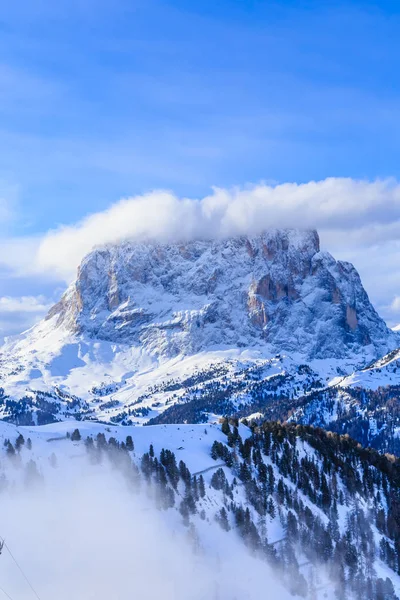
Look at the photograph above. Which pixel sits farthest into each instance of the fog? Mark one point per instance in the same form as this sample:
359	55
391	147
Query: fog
90	537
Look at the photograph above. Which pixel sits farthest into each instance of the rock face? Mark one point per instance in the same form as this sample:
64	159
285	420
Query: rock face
276	289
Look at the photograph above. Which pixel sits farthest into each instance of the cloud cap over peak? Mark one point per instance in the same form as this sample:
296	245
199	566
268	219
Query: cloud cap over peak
358	220
357	211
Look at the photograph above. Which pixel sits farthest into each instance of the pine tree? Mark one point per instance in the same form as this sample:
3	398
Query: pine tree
167	458
218	480
271	508
271	480
292	530
76	436
129	443
245	450
196	492
20	441
215	450
32	475
281	491
381	521
325	493
10	449
146	465
222	519
202	488
183	509
101	441
184	472
89	444
225	427
244	472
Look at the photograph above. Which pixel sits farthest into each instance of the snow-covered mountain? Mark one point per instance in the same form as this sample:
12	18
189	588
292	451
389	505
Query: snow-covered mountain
216	326
276	289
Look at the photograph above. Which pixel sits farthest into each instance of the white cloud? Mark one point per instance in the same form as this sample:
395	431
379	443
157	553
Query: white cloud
347	213
87	534
29	304
20	313
395	304
392	312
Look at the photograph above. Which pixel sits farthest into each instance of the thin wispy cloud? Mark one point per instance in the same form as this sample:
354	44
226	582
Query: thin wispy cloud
19	313
28	304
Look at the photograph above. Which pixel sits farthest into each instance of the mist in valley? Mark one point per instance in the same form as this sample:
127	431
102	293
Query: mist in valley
86	535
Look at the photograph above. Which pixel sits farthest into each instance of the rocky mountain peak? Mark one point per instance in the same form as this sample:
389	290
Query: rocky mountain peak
276	289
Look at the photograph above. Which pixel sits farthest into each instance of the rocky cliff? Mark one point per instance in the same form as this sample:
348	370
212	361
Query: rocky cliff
276	289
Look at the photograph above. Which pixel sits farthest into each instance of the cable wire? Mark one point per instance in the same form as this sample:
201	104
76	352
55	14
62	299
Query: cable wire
22	572
5	593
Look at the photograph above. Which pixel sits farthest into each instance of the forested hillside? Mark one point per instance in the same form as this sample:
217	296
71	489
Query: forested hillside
318	509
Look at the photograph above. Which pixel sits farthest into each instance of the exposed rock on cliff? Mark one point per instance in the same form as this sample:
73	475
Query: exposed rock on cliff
276	289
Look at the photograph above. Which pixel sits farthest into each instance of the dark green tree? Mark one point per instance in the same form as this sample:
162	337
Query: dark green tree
222	519
76	436
202	488
19	442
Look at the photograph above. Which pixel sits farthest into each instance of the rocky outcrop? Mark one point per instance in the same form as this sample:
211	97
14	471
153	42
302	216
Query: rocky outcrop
276	289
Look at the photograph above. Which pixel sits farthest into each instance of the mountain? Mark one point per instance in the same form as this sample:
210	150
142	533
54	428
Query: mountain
276	289
166	333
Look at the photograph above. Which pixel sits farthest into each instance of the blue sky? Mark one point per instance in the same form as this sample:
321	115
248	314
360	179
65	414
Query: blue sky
100	100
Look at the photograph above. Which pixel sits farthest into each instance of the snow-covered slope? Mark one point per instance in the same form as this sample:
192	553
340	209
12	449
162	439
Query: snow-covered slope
76	528
272	514
382	372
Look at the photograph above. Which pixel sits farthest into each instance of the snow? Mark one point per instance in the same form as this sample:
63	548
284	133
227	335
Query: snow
120	377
